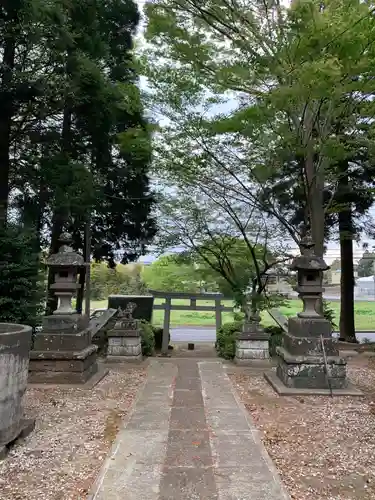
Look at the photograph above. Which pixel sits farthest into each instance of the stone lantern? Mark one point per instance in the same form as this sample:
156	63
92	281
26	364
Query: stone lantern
63	352
65	265
309	268
309	361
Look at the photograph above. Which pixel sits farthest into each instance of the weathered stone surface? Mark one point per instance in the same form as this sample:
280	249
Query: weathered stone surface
62	341
15	341
309	346
309	327
251	349
63	323
311	373
309	358
59	363
192	461
124	346
66	376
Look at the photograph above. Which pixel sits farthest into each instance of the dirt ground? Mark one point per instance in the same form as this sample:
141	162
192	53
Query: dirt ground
324	448
74	431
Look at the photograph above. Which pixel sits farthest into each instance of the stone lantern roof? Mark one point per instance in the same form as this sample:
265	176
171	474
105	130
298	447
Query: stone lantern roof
66	256
308	261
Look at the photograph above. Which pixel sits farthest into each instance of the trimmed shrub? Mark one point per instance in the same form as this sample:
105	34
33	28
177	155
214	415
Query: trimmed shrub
276	338
158	335
226	339
148	339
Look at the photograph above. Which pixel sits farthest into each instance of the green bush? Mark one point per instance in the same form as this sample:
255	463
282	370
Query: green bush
329	314
226	339
158	335
148	339
276	338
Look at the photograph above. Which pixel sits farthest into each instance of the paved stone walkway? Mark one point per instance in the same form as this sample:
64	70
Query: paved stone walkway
188	438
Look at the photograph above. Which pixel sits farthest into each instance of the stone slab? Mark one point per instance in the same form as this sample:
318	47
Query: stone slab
124	359
186	397
188	448
227	418
88	385
134	468
283	390
63	377
187	418
187	452
188	484
243	468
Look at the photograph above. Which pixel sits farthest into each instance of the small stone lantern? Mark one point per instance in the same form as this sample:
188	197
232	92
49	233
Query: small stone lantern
63	352
309	361
309	268
65	264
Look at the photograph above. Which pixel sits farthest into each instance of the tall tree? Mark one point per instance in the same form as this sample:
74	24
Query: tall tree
295	73
74	134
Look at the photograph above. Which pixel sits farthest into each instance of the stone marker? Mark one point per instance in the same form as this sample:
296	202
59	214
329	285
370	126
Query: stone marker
63	352
301	367
252	343
145	304
15	343
124	340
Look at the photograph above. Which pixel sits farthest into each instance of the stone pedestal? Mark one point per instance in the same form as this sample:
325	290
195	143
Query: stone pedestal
63	352
124	340
301	359
309	361
252	344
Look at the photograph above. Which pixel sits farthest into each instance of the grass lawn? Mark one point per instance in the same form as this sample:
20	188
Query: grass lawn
364	313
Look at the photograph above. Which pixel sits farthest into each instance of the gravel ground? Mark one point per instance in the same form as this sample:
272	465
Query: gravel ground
324	448
74	431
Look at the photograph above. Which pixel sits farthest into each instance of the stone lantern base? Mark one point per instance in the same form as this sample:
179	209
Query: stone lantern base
124	345
301	368
252	344
63	354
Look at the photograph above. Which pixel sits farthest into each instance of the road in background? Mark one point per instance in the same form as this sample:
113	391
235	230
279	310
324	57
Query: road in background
208	334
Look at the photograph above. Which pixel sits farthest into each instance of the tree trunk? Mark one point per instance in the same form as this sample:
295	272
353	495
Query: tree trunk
81	290
347	325
57	227
5	125
61	212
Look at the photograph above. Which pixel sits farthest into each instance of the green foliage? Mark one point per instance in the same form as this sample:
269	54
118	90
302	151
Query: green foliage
276	338
74	138
122	280
148	340
167	274
226	339
21	285
366	265
158	336
329	314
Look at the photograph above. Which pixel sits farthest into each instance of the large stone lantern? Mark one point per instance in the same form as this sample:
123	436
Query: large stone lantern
309	361
63	352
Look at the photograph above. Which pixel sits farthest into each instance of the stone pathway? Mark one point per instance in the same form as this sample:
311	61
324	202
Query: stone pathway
188	438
